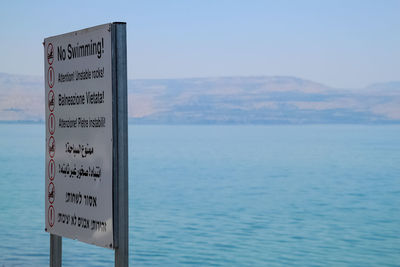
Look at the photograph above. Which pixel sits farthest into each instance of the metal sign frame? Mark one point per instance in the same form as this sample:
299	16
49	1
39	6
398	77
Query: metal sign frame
120	153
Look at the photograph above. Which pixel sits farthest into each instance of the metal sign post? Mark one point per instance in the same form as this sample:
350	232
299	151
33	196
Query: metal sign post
120	185
55	250
86	180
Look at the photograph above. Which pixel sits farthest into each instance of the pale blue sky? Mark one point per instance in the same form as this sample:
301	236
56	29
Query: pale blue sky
344	44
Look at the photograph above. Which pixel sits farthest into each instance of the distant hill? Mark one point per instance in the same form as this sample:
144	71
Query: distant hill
224	100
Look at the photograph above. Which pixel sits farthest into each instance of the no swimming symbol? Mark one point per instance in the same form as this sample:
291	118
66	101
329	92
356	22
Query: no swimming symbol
51	100
51	192
50	53
52	147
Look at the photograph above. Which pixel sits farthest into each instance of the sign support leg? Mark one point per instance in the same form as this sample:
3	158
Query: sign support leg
55	250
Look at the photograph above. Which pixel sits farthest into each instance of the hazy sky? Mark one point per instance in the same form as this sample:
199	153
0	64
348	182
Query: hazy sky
338	43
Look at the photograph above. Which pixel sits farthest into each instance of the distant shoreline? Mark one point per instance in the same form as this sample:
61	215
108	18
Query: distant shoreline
224	124
22	122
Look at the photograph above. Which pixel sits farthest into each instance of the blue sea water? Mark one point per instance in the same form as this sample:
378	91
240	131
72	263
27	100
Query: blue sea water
317	195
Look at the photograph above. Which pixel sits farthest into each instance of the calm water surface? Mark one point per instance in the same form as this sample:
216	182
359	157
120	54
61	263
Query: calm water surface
226	196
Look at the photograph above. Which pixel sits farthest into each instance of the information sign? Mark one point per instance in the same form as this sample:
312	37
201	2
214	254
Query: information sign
79	135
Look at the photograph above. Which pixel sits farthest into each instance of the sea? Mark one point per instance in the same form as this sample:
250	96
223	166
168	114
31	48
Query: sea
207	195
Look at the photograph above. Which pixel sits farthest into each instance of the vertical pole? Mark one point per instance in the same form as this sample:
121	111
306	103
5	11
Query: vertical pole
121	144
55	250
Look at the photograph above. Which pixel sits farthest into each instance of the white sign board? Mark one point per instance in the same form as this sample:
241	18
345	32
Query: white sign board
79	135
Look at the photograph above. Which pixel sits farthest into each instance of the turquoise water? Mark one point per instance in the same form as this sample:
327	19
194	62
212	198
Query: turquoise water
226	196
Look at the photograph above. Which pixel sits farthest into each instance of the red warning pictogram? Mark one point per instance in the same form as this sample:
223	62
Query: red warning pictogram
51	192
50	53
51	215
50	77
51	169
52	146
51	100
52	123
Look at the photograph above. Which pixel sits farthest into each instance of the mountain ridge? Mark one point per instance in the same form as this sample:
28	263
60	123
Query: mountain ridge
224	100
